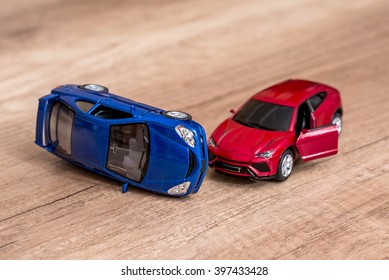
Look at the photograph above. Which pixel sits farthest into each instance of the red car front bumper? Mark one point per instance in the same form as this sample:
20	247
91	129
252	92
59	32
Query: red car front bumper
258	168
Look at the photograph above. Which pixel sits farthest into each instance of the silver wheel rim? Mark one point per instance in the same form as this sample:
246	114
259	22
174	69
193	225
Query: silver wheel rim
338	122
287	165
176	114
94	87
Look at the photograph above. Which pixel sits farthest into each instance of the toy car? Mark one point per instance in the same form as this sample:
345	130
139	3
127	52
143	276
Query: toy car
140	145
269	132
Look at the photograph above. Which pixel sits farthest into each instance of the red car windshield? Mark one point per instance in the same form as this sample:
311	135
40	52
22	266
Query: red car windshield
264	115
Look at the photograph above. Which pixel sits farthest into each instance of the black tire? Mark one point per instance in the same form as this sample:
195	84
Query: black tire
285	166
177	115
337	120
94	87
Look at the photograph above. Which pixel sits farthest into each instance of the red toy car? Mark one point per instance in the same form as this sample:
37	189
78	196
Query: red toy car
268	133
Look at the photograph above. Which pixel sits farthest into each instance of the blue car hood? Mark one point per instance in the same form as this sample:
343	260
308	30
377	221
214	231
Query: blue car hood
168	157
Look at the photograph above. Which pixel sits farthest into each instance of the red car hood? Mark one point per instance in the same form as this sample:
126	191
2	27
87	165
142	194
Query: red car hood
245	140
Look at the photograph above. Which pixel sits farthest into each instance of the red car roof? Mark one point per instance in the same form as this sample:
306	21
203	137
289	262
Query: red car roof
289	93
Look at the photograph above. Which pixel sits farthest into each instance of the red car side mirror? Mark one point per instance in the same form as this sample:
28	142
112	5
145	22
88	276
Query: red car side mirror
233	111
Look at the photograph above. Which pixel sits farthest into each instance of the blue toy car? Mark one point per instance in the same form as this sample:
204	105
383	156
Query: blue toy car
137	144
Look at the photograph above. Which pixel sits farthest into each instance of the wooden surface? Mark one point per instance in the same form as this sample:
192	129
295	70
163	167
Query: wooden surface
203	57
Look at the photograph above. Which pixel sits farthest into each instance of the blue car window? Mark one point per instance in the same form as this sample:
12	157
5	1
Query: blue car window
85	106
110	113
61	126
128	150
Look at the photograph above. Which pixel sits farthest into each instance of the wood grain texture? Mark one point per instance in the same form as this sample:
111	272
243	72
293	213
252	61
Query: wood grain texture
203	57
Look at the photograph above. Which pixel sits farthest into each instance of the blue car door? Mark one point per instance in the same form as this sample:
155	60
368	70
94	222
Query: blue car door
90	139
128	150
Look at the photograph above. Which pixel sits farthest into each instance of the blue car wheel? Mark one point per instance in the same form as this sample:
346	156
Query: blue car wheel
94	87
177	115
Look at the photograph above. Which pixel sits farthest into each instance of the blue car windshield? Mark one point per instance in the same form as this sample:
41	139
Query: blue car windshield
267	116
129	150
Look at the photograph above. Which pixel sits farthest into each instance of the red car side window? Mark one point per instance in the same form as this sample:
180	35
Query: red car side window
317	99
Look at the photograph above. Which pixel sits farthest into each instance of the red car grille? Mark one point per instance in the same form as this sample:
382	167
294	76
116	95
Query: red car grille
232	167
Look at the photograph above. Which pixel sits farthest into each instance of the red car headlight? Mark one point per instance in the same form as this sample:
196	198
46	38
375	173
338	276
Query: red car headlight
266	154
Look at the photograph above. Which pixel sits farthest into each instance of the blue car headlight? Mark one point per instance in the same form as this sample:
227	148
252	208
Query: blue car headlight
179	189
266	154
186	134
